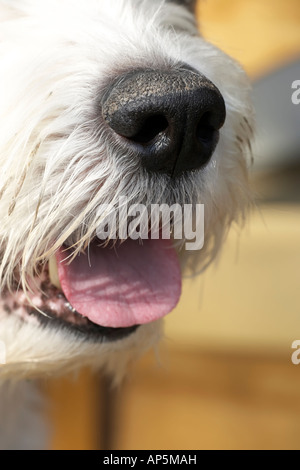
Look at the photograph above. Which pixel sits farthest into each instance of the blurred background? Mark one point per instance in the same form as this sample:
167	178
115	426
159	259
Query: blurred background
224	378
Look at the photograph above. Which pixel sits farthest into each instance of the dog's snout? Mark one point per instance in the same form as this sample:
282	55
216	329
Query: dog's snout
170	120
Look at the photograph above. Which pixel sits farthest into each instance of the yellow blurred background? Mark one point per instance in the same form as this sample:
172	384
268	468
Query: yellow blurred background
224	379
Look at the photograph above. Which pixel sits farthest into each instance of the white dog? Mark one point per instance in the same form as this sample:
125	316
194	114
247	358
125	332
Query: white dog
102	100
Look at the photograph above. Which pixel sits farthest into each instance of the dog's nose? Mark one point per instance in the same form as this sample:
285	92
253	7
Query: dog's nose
170	120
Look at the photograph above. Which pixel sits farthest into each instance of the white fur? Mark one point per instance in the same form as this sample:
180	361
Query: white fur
56	57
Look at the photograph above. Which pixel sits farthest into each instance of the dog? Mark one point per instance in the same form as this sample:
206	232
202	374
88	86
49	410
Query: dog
102	100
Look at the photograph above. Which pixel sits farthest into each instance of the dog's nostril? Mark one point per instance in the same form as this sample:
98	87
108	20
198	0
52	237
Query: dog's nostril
205	131
150	129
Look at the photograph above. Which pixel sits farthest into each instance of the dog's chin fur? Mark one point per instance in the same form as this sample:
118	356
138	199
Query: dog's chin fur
56	352
57	165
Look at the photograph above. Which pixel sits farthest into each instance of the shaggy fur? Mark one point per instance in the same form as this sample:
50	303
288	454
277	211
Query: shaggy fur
56	59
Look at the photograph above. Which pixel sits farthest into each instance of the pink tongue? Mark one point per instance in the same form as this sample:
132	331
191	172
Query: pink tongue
130	285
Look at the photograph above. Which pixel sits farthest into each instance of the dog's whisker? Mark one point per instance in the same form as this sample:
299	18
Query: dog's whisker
5	186
22	178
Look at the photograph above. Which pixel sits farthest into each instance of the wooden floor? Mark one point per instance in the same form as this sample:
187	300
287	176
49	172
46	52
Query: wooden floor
207	401
197	400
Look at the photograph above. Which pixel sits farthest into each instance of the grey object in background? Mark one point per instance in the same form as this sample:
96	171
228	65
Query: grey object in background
277	145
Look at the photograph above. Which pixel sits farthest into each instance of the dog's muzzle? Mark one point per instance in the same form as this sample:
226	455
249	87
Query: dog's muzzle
169	119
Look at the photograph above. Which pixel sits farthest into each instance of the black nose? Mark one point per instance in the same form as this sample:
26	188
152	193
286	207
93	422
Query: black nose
170	120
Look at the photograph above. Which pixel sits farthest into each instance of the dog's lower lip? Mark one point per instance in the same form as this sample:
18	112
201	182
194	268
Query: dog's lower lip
102	311
88	330
47	306
68	318
73	321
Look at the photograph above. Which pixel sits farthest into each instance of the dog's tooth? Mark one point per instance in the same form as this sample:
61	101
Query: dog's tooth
53	272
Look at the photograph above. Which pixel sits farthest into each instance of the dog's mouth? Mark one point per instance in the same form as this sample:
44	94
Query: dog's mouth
107	291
